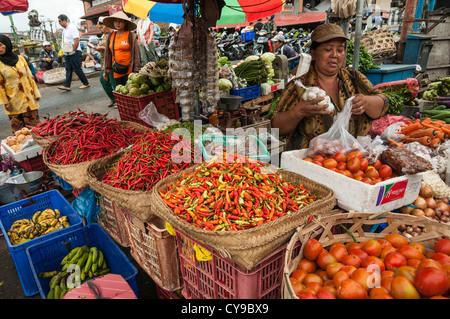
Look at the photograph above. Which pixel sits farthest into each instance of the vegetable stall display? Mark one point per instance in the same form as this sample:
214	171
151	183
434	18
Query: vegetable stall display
438	90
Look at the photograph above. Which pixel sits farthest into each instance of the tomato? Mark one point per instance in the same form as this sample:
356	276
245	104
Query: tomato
318	158
339	252
386	251
386	282
406	271
430	281
355	153
377	164
351	260
443	246
330	163
358	173
364	164
373	260
315	286
317	163
421	247
352	244
312	249
334	268
342	166
340	157
336	244
308	265
312	278
443	259
439	297
330	289
359	252
353	164
446	268
387	273
385	171
299	274
351	289
429	253
376	180
309	289
324	259
339	277
325	294
371	172
362	276
348	173
396	240
348	269
376	291
402	288
394	260
413	262
410	252
296	285
373	248
427	262
384	243
308	159
306	295
367	180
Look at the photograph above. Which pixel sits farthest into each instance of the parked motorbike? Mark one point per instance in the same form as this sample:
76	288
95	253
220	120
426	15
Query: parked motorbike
262	43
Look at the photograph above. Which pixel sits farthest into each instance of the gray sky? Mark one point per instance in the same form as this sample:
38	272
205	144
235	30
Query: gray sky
50	9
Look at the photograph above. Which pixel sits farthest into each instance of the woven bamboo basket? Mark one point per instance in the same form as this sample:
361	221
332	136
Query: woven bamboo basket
325	228
43	141
76	174
247	247
379	43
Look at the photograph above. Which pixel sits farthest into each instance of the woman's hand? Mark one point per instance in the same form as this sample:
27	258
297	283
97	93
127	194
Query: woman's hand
360	104
8	107
105	77
310	108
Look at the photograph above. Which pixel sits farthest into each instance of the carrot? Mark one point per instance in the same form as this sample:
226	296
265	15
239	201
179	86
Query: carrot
410	128
430	125
446	130
424	140
435	142
400	145
427	120
440	135
422	132
439	123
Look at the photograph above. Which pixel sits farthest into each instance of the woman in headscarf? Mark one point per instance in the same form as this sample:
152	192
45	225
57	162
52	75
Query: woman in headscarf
19	93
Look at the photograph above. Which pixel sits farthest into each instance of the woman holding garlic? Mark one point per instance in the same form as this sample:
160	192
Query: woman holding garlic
301	118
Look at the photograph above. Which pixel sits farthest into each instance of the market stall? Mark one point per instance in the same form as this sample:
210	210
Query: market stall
186	180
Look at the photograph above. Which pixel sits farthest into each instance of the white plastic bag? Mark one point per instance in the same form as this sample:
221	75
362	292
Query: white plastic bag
338	138
152	117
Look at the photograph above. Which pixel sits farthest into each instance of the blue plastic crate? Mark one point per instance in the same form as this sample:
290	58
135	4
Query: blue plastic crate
263	153
47	255
390	72
64	185
247	36
26	208
247	93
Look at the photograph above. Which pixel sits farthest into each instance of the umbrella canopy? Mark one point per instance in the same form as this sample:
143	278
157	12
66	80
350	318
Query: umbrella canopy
234	11
13	6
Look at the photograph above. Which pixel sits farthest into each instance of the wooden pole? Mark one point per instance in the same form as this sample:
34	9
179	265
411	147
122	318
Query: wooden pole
408	17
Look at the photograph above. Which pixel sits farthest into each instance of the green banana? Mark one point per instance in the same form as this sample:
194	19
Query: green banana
82	275
55	280
88	265
104	266
82	251
94	254
48	274
83	259
63	292
70	255
94	267
100	259
51	294
57	292
104	271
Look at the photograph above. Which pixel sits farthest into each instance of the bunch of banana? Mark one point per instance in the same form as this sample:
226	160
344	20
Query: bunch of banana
80	264
42	223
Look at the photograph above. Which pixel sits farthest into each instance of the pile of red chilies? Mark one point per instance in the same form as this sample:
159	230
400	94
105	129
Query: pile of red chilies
99	138
66	123
233	196
153	157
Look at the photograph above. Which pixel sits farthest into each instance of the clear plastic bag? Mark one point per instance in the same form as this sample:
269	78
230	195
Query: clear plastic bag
151	116
338	138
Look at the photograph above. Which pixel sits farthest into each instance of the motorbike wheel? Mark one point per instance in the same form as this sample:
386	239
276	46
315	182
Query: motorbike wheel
259	50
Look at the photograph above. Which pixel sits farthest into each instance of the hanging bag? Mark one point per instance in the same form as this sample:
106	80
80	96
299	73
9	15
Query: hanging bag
117	67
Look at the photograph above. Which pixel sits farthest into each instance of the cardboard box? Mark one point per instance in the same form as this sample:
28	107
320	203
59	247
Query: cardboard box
352	194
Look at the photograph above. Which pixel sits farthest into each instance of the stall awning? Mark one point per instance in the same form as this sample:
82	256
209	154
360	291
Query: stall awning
289	19
96	13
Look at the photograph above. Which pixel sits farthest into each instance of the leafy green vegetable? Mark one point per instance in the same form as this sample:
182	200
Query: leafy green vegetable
365	58
395	103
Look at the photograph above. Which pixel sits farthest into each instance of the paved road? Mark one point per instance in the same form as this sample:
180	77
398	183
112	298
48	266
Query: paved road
54	102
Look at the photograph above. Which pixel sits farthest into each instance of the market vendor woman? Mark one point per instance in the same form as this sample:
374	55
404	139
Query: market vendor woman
302	120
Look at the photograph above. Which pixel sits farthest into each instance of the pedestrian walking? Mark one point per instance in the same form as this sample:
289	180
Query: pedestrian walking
146	33
108	84
19	93
72	53
122	54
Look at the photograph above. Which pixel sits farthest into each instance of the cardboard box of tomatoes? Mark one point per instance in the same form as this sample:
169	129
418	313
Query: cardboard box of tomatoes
353	194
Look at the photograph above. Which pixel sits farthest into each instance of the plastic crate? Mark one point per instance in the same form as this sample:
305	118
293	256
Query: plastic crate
222	278
411	83
111	219
247	93
130	106
263	153
390	72
155	250
47	255
247	36
167	294
26	208
64	185
33	164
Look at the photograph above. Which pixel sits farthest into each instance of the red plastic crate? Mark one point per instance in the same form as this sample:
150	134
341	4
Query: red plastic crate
221	278
130	106
111	219
33	164
166	294
411	83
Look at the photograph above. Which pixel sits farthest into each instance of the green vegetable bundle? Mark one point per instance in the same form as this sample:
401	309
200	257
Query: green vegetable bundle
440	88
365	58
254	72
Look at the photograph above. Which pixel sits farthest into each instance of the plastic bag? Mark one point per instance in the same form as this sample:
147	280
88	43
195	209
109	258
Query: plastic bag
152	117
392	132
86	205
338	138
379	125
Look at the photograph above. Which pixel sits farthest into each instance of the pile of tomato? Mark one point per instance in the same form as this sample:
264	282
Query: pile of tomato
356	166
388	268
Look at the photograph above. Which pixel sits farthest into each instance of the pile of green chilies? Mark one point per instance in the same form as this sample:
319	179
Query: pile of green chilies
99	138
233	196
148	161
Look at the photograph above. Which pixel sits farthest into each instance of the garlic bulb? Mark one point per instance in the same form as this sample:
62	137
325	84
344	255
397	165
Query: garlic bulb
315	92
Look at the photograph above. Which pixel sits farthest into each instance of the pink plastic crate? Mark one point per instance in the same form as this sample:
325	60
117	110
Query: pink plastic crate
411	83
221	278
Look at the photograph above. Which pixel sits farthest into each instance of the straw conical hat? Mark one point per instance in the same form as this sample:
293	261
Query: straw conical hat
109	21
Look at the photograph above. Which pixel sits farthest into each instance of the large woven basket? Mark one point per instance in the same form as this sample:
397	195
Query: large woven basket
76	174
247	247
325	228
137	203
44	141
379	43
